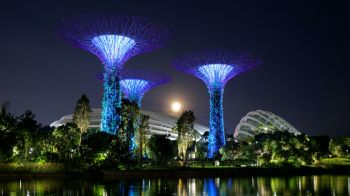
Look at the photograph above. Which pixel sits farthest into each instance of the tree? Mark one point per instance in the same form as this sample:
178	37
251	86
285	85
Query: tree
229	151
130	115
28	132
319	146
95	148
81	115
66	141
140	135
8	138
283	148
162	149
5	108
118	154
340	147
202	146
186	134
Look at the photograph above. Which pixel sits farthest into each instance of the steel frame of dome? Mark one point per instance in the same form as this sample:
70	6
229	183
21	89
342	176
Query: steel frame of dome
253	121
159	123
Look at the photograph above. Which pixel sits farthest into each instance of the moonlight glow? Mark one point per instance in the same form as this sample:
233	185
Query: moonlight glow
176	106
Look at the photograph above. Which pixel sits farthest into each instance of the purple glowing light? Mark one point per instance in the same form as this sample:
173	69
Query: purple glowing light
135	83
134	89
113	48
113	38
214	74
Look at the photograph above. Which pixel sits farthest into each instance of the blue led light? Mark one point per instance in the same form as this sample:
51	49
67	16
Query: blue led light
216	138
134	89
133	145
215	74
113	48
111	103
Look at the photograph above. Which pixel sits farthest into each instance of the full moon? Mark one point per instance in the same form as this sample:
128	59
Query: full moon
176	106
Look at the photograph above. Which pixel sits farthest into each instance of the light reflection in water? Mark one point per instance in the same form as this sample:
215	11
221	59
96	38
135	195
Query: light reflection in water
293	185
349	185
192	186
315	183
209	187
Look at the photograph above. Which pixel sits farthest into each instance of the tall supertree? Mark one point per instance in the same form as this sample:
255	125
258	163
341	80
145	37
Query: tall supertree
215	69
134	85
113	38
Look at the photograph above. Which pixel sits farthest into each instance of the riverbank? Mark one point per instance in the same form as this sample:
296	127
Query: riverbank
183	172
227	172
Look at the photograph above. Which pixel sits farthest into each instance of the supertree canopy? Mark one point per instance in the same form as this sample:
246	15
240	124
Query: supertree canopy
216	68
135	83
113	38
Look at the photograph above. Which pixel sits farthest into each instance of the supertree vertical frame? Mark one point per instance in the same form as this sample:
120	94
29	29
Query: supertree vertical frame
134	85
113	38
215	69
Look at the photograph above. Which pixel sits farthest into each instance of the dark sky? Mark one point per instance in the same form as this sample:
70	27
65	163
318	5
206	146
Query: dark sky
304	77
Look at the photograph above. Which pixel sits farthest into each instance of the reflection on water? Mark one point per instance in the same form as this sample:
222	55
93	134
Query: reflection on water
293	185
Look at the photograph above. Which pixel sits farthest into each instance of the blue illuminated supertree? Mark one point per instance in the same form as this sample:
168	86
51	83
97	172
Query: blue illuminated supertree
215	69
113	38
134	85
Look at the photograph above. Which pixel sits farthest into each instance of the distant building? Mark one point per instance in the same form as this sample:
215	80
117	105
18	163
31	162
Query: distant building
260	121
159	123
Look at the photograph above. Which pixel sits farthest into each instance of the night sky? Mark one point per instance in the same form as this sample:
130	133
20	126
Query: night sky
304	77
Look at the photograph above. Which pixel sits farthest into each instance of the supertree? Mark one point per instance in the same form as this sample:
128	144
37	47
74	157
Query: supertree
134	85
215	68
113	38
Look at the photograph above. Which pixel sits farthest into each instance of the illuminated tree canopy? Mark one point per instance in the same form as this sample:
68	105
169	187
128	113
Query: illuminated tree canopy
135	83
215	69
113	38
113	48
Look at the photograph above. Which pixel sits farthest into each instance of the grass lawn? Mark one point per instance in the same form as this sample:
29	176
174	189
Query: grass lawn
33	168
335	162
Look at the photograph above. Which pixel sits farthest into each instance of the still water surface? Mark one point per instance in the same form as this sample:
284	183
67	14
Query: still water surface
292	185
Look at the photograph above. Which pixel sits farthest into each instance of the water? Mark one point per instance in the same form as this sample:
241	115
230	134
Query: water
293	185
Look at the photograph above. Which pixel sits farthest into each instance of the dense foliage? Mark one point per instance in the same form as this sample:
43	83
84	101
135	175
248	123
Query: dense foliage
24	140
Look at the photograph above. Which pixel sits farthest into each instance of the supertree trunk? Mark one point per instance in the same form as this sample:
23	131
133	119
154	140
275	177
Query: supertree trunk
216	138
111	104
